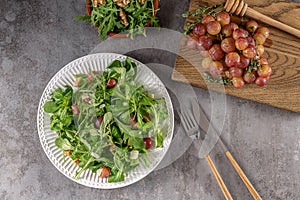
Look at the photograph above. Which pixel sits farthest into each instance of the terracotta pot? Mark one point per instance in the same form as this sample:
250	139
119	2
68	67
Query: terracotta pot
118	35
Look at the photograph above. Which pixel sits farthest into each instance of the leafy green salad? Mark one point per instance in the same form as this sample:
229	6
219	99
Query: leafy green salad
109	122
118	16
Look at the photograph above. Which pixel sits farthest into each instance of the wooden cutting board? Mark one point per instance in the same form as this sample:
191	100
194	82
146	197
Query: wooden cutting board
283	88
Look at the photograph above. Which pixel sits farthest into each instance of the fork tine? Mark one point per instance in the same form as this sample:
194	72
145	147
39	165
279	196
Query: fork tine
188	122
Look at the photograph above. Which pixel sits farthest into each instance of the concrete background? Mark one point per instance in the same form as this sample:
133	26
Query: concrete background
37	38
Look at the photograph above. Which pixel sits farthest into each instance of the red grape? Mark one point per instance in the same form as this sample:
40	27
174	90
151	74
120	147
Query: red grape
264	31
260	81
260	49
223	18
264	71
206	63
216	68
103	172
204	42
249	52
148	143
98	121
215	52
235	72
228	45
249	77
264	61
251	26
244	62
192	42
238	82
232	59
75	109
204	54
251	41
111	83
259	38
199	29
227	30
239	33
241	43
227	74
213	27
233	26
207	19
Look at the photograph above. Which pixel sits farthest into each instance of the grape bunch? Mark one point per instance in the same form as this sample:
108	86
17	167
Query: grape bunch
231	53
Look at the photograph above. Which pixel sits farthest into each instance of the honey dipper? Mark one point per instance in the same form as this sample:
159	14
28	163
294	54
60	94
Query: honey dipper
240	8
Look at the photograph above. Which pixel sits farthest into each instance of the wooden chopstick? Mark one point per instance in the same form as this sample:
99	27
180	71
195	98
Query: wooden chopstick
244	178
219	178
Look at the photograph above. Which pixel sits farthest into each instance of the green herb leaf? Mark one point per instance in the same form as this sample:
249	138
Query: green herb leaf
50	107
64	144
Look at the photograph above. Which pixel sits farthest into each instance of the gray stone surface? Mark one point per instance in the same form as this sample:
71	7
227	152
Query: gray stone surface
37	38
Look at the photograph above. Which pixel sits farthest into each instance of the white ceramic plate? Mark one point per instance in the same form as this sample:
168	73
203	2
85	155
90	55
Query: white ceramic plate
99	62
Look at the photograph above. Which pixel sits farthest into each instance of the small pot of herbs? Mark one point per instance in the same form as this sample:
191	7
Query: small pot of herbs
127	17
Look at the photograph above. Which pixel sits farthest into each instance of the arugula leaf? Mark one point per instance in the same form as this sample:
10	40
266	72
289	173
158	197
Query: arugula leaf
106	18
110	144
159	139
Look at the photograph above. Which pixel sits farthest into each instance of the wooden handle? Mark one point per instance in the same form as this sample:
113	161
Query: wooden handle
218	177
263	18
240	8
248	184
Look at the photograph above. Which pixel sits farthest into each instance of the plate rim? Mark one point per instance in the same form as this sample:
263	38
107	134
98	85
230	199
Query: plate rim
113	185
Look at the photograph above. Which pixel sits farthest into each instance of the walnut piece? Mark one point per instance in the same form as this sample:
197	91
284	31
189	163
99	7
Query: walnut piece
96	2
142	1
123	17
121	3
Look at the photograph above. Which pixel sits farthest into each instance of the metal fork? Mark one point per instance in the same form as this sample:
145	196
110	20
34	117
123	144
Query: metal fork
193	130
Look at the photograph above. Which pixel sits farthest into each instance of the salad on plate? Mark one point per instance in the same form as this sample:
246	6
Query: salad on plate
107	122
